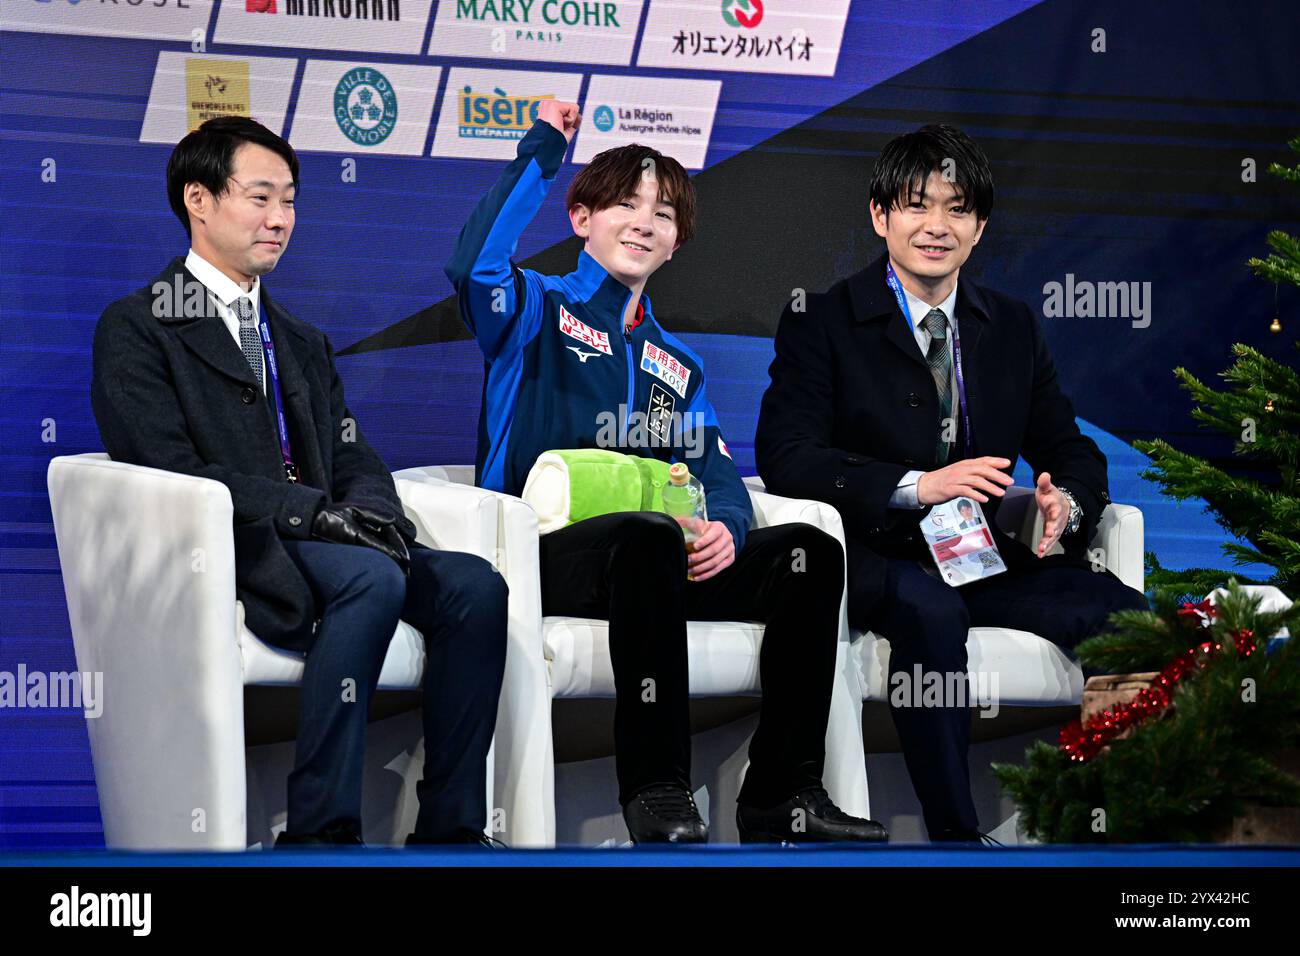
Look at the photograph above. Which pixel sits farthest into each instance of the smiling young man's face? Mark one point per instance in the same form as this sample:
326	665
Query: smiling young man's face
633	237
930	235
245	231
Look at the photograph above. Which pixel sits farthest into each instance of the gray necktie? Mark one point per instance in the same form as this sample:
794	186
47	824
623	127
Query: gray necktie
249	339
940	360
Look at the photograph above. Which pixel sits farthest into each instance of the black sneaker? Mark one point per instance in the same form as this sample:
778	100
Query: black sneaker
807	817
665	813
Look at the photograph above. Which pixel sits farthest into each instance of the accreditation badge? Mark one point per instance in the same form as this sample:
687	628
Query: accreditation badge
959	539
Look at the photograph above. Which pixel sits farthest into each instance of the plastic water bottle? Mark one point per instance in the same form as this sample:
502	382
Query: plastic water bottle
684	500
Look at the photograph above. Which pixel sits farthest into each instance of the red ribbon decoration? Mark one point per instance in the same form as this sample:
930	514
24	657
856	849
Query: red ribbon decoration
1083	742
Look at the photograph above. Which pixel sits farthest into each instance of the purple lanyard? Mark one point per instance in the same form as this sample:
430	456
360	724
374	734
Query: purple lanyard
897	288
268	349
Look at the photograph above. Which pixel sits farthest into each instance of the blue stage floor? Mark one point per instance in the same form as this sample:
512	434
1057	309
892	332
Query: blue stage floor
922	855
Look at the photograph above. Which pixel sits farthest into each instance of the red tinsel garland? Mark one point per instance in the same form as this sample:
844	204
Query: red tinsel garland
1083	742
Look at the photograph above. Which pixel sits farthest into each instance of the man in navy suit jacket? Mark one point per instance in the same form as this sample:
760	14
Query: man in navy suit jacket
202	373
900	388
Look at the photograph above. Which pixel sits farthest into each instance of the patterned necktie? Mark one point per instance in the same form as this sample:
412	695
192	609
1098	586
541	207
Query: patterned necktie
249	339
940	361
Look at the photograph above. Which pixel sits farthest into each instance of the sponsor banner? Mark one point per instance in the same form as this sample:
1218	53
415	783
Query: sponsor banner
486	112
560	31
349	107
573	326
750	36
665	366
183	20
673	116
190	88
367	26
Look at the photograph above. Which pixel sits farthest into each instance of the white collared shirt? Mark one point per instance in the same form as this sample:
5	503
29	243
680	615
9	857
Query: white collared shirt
222	292
904	496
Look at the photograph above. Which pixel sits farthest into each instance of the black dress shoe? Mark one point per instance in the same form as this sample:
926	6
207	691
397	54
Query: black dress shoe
807	817
336	834
665	813
971	837
463	837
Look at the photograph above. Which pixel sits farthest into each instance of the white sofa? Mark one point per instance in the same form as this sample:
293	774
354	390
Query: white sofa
149	574
156	614
1031	671
567	657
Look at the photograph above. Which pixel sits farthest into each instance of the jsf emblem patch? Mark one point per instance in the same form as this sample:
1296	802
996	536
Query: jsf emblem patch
659	414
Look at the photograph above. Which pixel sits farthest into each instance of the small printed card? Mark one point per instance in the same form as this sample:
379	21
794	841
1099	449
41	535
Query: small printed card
960	541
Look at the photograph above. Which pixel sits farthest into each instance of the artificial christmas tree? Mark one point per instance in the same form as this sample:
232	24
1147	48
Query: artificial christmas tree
1204	748
1205	738
1260	411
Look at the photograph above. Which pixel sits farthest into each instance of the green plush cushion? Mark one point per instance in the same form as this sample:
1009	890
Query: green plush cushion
571	485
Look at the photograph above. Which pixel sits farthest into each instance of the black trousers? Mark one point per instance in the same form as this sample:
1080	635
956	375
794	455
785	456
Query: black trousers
630	568
458	602
925	620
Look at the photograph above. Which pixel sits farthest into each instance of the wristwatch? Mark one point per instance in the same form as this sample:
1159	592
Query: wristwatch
1076	513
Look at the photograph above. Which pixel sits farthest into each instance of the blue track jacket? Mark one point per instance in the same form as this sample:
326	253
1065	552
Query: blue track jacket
561	373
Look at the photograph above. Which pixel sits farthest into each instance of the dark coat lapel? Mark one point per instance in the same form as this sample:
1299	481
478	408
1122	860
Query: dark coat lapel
972	314
873	301
205	335
211	341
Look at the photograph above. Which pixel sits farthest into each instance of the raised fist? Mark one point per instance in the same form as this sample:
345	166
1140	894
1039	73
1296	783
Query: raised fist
563	116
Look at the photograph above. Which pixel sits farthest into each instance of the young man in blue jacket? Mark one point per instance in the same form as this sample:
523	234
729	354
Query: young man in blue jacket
567	357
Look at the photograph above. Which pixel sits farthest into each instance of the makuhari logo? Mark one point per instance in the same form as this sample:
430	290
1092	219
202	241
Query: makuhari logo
365	106
584	333
215	88
742	13
333	9
497	115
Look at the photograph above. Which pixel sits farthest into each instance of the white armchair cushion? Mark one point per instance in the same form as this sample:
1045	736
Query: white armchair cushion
265	664
446	516
722	657
1028	669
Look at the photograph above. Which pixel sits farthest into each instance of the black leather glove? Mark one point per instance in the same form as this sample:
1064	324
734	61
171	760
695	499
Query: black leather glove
346	523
